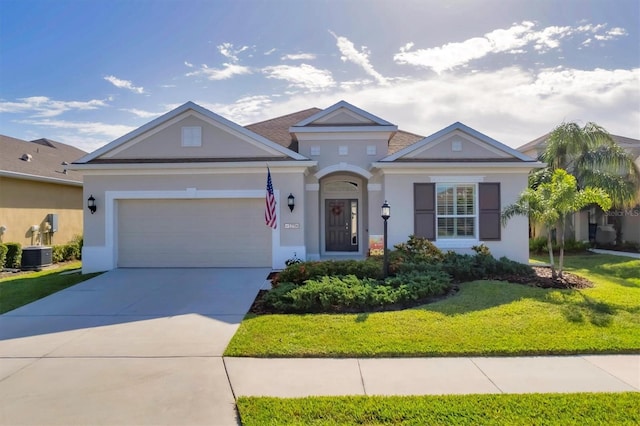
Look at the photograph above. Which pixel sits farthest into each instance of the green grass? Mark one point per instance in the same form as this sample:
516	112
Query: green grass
16	291
501	409
484	318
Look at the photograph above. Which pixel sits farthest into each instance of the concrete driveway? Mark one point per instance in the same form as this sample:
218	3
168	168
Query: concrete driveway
132	346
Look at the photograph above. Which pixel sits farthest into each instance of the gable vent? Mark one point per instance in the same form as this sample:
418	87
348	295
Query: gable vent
26	157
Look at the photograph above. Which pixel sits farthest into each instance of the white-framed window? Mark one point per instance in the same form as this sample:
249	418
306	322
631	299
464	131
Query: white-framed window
456	210
315	150
371	150
343	150
191	136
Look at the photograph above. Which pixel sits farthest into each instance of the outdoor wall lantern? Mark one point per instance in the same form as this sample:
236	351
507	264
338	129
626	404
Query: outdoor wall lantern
385	213
91	204
291	201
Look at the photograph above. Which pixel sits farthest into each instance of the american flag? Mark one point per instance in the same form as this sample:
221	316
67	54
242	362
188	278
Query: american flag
270	201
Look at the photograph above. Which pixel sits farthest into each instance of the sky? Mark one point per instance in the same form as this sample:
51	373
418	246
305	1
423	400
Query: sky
88	72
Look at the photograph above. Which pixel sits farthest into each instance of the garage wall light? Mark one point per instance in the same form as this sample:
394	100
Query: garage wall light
291	201
91	204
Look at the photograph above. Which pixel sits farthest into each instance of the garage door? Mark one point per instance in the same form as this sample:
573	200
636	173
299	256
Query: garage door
193	233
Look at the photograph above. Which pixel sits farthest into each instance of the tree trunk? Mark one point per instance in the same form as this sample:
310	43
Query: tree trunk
550	247
561	257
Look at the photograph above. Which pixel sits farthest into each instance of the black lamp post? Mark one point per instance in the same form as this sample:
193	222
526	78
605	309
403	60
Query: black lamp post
385	214
91	204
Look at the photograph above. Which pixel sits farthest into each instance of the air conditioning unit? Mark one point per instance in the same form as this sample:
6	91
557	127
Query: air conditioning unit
35	257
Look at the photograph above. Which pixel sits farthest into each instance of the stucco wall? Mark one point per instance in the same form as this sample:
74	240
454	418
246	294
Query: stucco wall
24	203
398	191
468	148
238	180
216	143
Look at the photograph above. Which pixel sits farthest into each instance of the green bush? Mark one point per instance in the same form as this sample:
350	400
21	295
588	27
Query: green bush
298	273
539	246
3	255
14	255
415	250
350	293
57	253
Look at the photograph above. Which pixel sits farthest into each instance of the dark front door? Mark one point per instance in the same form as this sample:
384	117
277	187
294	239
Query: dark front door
341	225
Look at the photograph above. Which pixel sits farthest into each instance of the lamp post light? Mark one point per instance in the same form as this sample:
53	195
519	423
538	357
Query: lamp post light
385	214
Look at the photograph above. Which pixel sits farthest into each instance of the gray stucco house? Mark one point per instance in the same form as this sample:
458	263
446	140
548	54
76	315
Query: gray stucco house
188	190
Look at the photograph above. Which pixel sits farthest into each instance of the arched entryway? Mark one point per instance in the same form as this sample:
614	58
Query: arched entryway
342	202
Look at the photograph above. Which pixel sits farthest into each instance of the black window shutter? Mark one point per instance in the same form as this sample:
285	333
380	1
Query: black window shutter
489	211
424	208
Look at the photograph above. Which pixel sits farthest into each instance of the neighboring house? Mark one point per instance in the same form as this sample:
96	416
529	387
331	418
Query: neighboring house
188	190
40	198
593	223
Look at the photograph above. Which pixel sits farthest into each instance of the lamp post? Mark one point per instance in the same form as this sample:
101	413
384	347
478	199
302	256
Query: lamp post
385	214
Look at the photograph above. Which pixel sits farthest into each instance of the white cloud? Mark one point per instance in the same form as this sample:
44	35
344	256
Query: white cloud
42	106
302	76
299	57
511	40
270	51
188	64
227	71
360	58
612	34
124	84
227	50
141	113
85	135
424	106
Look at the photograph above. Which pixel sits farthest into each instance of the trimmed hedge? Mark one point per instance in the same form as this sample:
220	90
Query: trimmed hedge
3	255
67	252
14	255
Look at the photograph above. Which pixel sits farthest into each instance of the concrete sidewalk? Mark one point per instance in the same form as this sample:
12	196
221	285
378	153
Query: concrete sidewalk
432	376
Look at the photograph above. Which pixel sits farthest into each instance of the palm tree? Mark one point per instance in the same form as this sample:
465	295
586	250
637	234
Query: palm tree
591	155
550	204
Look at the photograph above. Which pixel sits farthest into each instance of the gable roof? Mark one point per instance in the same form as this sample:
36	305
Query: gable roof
517	156
46	160
279	130
188	106
375	121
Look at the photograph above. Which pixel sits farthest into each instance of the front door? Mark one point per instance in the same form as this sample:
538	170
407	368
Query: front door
341	224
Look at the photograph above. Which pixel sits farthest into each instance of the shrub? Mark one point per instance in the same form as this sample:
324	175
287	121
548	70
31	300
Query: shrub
3	255
57	253
415	250
14	255
539	246
298	273
350	293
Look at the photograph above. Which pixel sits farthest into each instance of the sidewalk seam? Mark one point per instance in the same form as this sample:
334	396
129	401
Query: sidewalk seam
364	388
609	373
485	375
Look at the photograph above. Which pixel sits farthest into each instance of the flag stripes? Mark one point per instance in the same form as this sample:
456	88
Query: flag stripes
270	204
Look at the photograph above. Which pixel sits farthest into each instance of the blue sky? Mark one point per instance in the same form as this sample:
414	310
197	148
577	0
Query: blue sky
87	72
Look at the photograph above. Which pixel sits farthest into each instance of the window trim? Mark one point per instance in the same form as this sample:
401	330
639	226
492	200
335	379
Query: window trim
476	231
188	138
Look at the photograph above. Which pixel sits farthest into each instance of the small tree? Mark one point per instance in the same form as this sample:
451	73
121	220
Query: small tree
551	203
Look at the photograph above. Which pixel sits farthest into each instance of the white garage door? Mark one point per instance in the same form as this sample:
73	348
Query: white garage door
193	233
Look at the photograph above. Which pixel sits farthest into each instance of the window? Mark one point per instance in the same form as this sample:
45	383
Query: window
456	210
449	211
192	136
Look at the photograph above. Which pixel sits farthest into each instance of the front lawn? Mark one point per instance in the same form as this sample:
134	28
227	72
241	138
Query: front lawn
501	409
18	290
483	318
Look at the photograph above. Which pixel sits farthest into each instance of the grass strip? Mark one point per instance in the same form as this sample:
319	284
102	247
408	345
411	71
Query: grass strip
19	290
499	409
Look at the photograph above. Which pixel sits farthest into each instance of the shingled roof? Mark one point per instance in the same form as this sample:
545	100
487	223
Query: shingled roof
40	159
277	130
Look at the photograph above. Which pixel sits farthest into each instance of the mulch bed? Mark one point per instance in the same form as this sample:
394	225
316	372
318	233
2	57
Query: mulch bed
542	279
